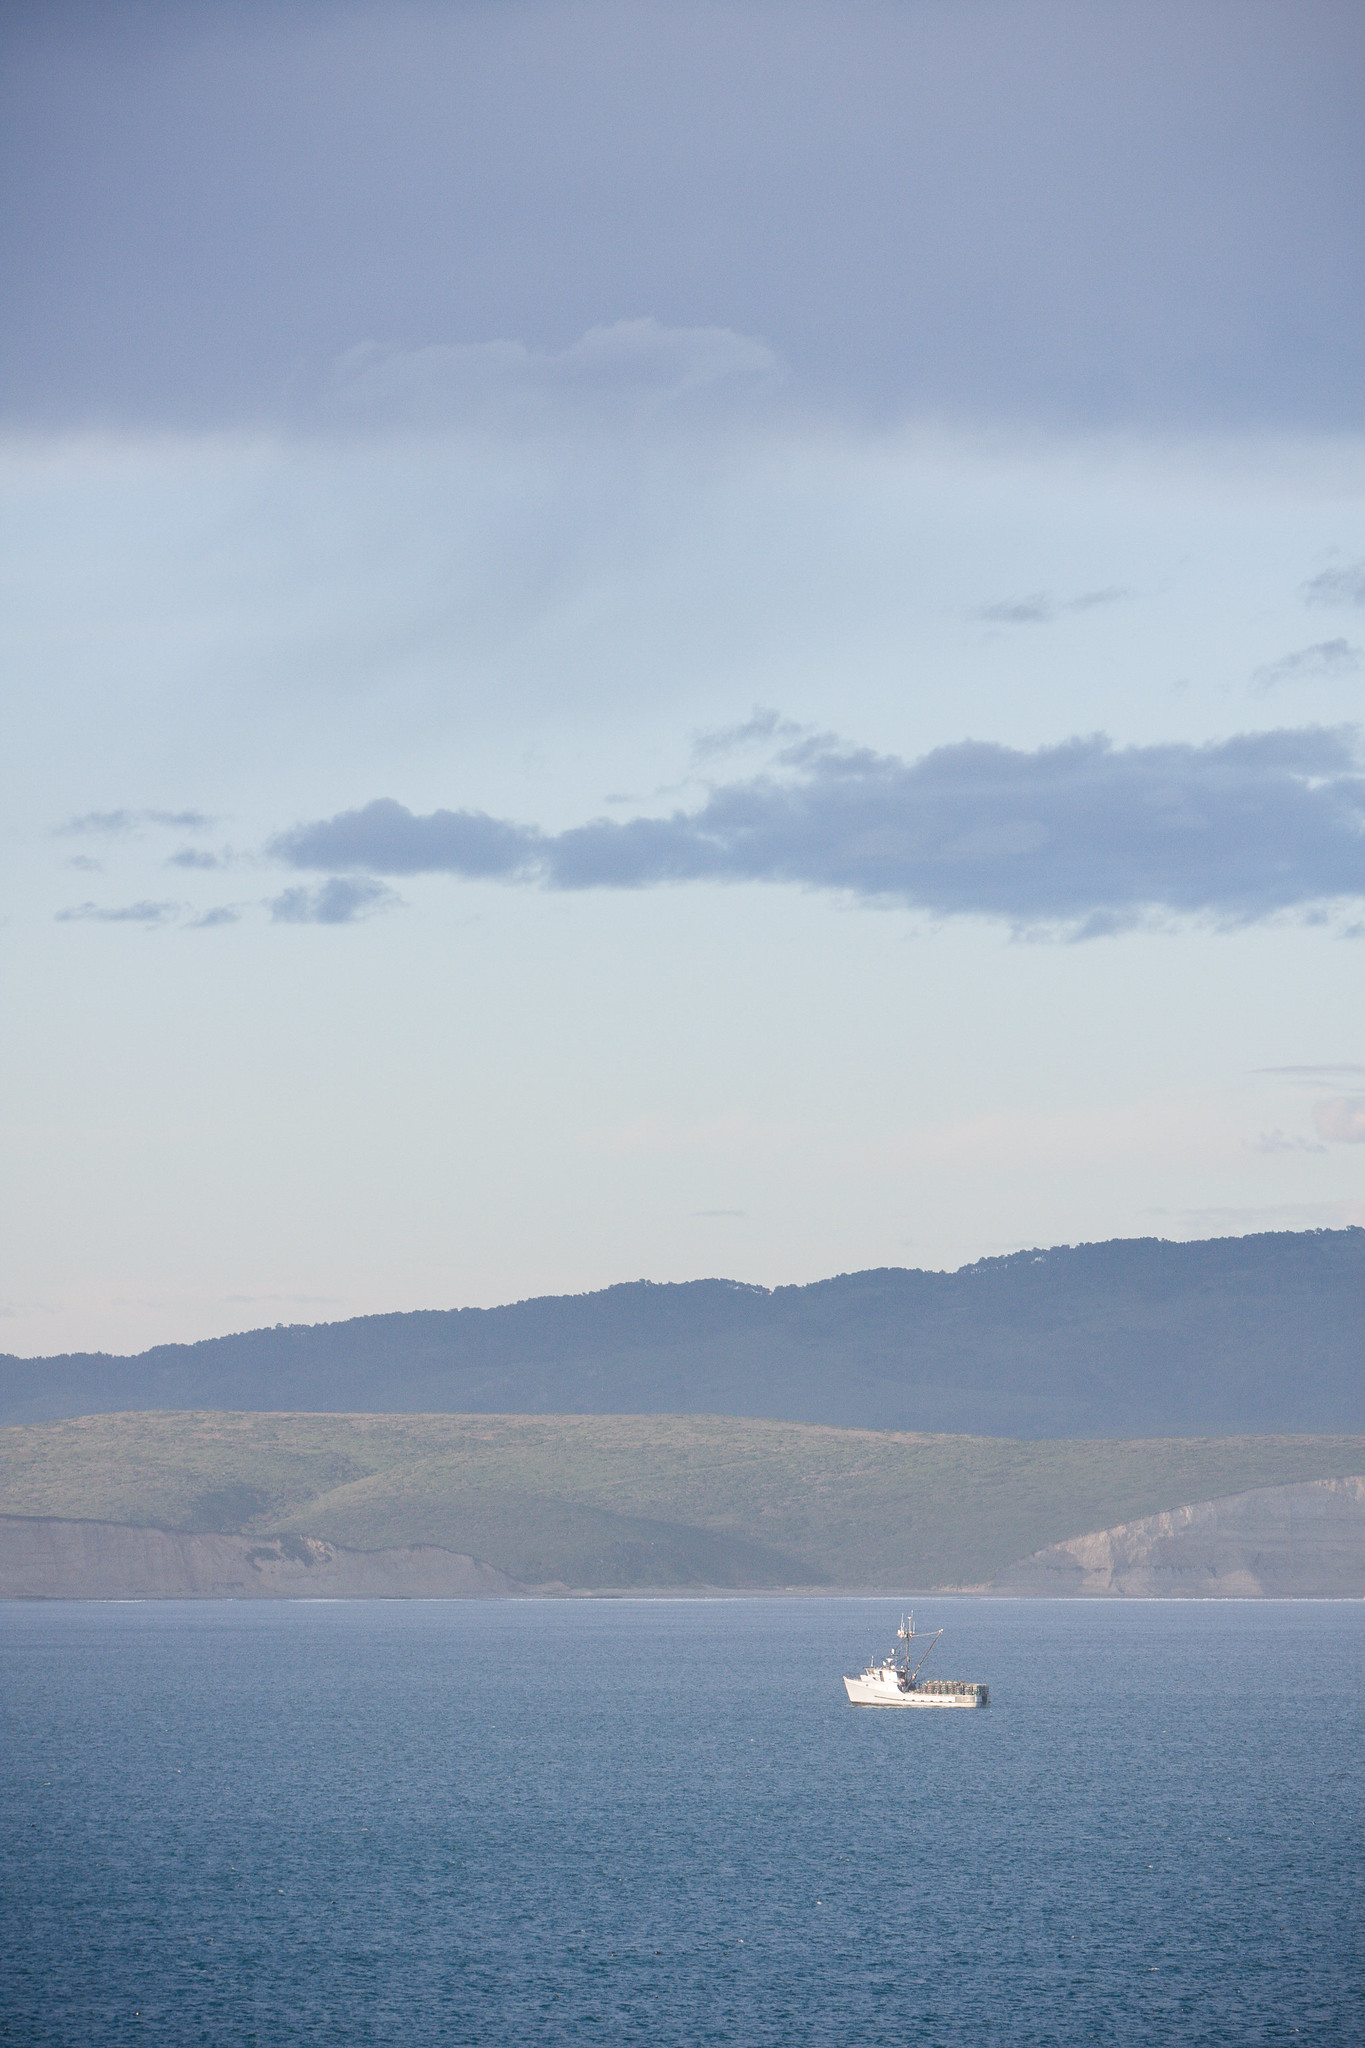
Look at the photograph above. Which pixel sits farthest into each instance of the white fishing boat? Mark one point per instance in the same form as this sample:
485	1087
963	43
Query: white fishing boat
896	1681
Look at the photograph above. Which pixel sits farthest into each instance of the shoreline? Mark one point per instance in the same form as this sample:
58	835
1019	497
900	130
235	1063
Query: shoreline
1188	1554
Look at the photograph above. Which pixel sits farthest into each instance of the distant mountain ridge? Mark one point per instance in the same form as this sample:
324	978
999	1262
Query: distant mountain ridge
1133	1337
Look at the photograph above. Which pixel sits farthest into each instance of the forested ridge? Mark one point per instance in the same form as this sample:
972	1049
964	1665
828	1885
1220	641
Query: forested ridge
1133	1337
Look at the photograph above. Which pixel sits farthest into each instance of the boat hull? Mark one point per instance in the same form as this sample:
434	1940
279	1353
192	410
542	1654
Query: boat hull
863	1694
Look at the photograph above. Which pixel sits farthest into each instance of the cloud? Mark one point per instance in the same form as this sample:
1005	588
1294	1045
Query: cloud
222	913
1341	1120
1019	611
818	171
1324	662
632	364
1340	1215
145	913
109	822
1336	586
1279	1141
306	1298
339	900
385	838
763	725
193	857
1318	1073
1040	610
1083	836
117	823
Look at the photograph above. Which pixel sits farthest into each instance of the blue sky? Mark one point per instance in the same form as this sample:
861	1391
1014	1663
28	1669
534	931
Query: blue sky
672	640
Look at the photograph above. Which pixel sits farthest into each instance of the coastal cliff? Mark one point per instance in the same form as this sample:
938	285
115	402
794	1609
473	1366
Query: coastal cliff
44	1558
1291	1542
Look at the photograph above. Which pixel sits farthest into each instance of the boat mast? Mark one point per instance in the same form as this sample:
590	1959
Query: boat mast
924	1659
906	1633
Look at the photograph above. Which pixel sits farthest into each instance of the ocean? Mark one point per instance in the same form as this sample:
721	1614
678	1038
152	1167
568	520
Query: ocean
659	1821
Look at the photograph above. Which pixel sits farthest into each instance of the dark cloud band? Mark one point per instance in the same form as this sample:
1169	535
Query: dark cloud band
1084	835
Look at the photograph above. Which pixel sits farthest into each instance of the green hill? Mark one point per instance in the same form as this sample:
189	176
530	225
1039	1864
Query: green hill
648	1501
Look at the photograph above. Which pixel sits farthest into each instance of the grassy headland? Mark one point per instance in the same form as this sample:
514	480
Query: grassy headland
650	1501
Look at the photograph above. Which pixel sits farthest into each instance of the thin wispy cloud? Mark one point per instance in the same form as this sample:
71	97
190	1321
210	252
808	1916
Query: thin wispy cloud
1327	661
180	821
1039	609
1317	1073
1342	1120
1234	1222
761	728
116	824
1342	586
142	913
104	823
1084	836
313	1300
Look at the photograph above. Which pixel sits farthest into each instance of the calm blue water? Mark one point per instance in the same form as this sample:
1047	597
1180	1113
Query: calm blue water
659	1821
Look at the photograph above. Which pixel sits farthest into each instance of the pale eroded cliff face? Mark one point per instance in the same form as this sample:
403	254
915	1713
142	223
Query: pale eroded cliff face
42	1558
1294	1542
1302	1541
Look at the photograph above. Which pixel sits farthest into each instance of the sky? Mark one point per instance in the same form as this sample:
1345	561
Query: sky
647	641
